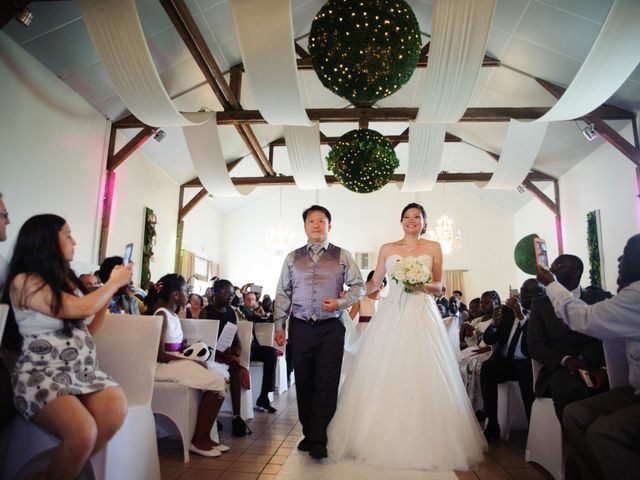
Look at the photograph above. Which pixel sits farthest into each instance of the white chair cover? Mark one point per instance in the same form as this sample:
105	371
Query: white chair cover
245	333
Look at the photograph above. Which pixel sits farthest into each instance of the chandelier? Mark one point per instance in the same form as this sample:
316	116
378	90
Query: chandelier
444	232
279	238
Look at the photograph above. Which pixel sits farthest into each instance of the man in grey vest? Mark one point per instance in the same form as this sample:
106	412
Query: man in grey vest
308	295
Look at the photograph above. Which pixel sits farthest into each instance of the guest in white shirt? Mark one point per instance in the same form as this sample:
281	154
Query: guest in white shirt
602	432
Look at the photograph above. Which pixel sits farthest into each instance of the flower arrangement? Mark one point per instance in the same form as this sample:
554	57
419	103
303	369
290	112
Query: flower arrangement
411	272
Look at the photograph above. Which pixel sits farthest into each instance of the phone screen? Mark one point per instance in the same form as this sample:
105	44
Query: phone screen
128	251
542	257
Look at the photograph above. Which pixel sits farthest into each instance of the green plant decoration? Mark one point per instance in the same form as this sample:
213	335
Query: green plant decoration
147	248
593	247
525	255
364	51
363	160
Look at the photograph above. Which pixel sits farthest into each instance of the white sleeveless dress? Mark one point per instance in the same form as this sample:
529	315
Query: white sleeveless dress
403	404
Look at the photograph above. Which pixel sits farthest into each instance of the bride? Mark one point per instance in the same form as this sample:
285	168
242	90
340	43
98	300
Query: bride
403	404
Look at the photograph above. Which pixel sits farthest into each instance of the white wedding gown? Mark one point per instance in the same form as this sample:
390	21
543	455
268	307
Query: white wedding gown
403	404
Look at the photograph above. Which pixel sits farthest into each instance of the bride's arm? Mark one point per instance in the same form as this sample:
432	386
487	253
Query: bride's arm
379	272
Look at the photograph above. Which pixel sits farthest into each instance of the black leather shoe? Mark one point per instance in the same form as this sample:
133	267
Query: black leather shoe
239	428
492	432
304	445
318	451
265	404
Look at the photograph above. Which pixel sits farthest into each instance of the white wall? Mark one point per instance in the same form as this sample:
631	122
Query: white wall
604	180
53	156
139	184
363	222
202	232
53	146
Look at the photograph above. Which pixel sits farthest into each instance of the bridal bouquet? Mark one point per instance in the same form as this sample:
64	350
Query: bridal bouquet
411	272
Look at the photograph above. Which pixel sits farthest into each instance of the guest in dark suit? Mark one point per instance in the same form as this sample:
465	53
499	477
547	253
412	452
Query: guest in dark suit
561	351
510	359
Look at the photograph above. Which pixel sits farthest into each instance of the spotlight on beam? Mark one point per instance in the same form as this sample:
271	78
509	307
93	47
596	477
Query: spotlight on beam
159	135
24	16
590	132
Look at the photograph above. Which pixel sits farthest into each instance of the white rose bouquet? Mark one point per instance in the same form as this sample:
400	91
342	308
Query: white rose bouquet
411	272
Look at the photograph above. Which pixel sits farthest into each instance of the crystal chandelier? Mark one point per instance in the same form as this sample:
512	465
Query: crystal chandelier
279	238
444	232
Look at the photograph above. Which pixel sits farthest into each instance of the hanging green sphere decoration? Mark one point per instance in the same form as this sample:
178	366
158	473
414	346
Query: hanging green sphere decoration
364	50
363	160
525	254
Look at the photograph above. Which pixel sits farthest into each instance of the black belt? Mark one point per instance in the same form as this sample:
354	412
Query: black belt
315	321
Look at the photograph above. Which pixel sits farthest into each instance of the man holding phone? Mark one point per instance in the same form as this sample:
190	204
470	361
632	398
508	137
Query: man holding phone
570	359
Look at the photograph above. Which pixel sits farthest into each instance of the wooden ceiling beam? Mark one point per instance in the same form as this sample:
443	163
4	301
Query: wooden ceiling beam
116	159
404	114
184	211
185	25
195	182
330	179
395	139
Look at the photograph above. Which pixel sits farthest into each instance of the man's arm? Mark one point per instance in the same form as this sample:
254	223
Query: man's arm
537	338
282	302
353	279
611	318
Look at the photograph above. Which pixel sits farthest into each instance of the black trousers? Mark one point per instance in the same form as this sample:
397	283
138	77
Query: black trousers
317	359
566	387
602	435
268	356
497	370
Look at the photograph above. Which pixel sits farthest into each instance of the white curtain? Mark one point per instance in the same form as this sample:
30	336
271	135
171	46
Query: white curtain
303	149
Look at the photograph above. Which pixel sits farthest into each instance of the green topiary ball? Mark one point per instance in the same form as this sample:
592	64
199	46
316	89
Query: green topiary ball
525	255
363	160
364	51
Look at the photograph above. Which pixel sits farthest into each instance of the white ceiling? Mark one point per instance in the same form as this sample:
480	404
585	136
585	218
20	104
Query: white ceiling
547	39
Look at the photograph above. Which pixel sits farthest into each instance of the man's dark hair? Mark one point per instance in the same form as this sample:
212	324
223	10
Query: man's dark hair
107	265
316	208
370	276
220	284
629	269
457	291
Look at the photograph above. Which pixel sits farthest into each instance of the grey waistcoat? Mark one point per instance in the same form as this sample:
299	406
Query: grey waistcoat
313	282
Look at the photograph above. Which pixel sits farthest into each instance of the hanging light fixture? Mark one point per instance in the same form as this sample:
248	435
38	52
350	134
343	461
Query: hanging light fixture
279	238
444	232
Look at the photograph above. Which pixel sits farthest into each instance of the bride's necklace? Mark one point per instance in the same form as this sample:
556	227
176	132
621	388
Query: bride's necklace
408	248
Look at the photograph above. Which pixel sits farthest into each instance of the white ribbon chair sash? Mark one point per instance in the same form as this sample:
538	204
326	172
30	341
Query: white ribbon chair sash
460	32
203	142
265	35
426	142
303	148
114	27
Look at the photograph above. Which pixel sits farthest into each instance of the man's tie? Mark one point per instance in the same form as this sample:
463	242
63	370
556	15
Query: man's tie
514	340
315	252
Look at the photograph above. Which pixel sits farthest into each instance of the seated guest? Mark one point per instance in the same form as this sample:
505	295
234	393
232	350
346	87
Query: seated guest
442	300
602	431
510	358
169	294
261	353
560	350
90	281
477	352
194	306
366	306
267	304
123	301
469	325
461	306
72	400
452	324
221	309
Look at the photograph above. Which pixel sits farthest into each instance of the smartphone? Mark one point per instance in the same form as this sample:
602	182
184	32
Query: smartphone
540	247
586	378
257	289
128	251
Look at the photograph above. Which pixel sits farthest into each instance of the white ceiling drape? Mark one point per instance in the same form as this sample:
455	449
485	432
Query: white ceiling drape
114	28
612	58
459	38
265	35
204	146
303	148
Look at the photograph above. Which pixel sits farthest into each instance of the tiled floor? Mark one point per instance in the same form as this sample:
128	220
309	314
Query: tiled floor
260	456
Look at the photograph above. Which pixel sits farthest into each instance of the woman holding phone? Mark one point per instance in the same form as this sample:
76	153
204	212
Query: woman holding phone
56	381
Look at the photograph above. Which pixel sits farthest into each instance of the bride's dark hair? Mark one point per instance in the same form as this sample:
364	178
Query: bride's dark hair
422	212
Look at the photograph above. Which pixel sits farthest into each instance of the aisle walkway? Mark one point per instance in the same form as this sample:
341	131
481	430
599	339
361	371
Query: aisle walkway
262	456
